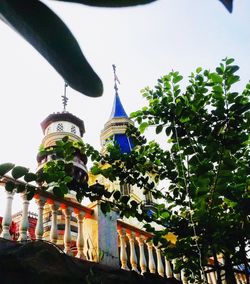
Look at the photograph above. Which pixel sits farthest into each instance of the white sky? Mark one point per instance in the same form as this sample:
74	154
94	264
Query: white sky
144	42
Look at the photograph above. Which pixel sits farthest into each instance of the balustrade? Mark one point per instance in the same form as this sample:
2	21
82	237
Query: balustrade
54	205
136	240
133	242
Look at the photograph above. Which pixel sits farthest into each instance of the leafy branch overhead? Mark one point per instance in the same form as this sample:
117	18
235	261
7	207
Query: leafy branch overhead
48	34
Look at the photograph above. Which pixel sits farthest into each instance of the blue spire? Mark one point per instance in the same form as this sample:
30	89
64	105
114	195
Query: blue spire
118	109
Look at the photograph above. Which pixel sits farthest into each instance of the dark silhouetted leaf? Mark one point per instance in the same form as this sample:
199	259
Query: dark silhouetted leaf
19	171
9	186
5	168
111	3
46	32
30	177
228	4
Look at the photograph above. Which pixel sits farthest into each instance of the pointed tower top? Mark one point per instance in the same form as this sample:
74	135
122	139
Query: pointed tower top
64	97
118	109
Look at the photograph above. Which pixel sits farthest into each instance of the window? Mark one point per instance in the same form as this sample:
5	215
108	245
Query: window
48	130
59	127
125	189
73	129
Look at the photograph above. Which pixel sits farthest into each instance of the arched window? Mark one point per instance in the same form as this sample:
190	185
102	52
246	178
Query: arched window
73	129
59	127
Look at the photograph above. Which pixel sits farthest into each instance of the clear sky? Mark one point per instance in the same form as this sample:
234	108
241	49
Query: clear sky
144	42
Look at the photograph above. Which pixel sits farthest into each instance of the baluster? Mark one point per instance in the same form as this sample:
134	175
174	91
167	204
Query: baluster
160	267
169	272
123	253
24	225
7	216
176	274
211	279
67	232
143	263
133	258
151	262
39	226
80	239
53	230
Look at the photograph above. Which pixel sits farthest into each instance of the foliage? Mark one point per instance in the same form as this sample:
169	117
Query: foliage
48	34
207	166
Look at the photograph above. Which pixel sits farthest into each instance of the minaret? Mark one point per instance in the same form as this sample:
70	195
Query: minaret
115	128
56	126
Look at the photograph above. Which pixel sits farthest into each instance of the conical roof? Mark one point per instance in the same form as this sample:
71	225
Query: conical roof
118	109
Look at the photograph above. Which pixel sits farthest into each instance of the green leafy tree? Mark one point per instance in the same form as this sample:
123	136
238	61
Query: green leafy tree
48	34
206	204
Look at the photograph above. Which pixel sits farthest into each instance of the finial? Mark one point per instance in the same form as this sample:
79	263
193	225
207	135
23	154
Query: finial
64	97
116	80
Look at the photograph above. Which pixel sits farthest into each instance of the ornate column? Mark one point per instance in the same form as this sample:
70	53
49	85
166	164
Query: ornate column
151	262
160	267
169	272
143	263
53	230
24	225
80	239
133	258
39	225
7	216
67	231
123	253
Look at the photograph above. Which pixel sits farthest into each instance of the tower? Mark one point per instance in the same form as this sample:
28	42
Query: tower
56	126
115	128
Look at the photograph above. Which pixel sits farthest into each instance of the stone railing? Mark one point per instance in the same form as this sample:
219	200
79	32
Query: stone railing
138	253
87	233
54	204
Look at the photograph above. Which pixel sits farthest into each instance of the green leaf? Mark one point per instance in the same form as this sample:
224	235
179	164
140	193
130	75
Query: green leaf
133	203
30	192
198	70
165	215
125	199
30	177
63	188
117	195
158	129
68	179
19	171
58	192
20	188
105	207
229	61
5	168
215	78
9	186
177	79
47	33
143	127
